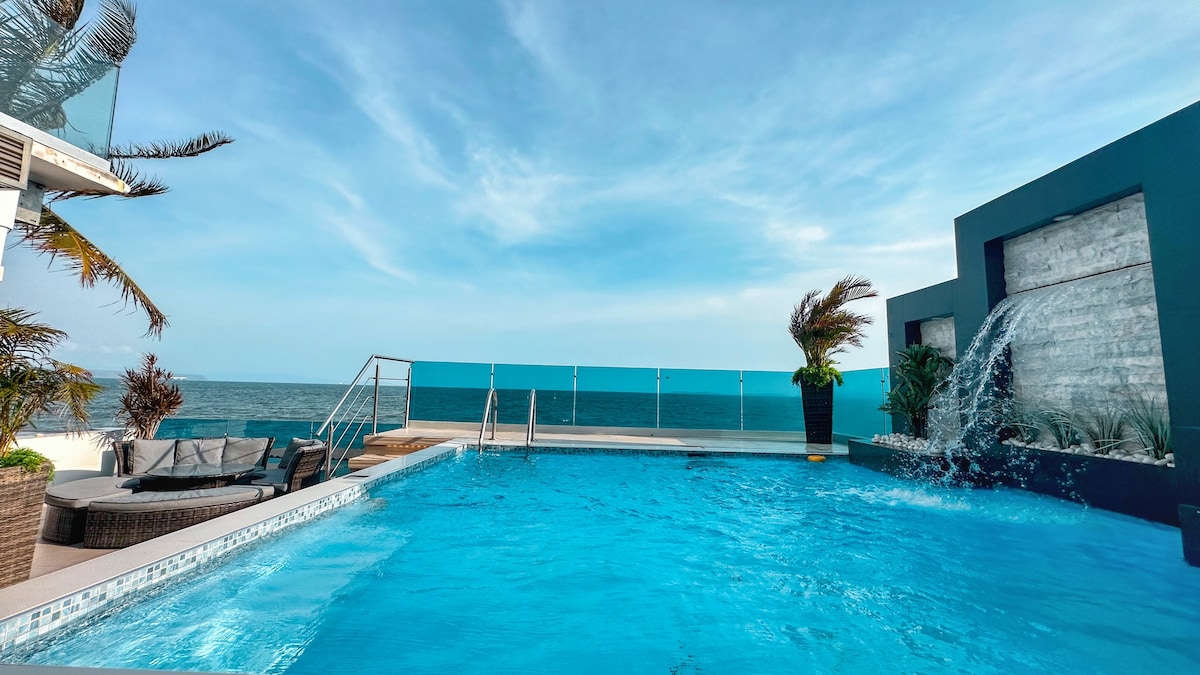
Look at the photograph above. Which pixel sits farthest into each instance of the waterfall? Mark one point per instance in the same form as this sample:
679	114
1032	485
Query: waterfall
967	411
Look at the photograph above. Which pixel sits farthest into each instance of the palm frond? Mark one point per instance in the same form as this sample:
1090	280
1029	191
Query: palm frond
22	338
55	237
63	12
821	326
113	32
197	145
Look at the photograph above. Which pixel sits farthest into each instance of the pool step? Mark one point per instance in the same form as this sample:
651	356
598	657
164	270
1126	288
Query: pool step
379	449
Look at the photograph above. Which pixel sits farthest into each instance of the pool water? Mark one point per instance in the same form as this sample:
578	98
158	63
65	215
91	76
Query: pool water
672	564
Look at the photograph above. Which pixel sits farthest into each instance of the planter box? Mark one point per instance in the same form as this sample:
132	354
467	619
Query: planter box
21	496
1140	490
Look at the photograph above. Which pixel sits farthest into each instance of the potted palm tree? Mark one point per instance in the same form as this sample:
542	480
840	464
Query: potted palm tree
822	326
31	383
150	397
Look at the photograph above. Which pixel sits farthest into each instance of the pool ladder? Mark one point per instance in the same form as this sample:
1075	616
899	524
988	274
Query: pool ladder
491	409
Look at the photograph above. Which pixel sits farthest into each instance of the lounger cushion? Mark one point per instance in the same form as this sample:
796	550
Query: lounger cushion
150	454
199	450
272	478
77	494
182	499
244	450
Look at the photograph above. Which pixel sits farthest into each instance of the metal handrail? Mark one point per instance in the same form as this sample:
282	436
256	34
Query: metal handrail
531	427
492	406
351	414
354	383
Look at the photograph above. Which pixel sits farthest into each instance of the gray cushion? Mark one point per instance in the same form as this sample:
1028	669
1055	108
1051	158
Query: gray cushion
182	499
199	450
149	454
77	494
270	476
244	450
293	447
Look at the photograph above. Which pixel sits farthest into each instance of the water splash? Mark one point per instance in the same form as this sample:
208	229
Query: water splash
968	410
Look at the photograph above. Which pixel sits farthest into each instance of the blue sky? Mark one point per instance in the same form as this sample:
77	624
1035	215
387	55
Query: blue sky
599	183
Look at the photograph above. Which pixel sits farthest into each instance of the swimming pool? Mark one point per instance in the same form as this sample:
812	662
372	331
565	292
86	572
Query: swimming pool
671	563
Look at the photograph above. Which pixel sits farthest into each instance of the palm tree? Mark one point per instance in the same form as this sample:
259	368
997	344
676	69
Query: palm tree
150	397
32	383
46	57
822	327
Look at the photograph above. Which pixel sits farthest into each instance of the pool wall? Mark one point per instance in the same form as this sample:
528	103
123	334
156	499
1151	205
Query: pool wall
1160	161
36	608
1146	491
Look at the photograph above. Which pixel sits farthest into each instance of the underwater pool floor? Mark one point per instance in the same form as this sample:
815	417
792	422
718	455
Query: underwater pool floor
670	563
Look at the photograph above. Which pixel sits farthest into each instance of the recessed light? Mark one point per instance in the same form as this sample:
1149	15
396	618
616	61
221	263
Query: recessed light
1065	216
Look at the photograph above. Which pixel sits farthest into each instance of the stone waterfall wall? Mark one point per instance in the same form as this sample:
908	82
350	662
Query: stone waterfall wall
940	333
1092	330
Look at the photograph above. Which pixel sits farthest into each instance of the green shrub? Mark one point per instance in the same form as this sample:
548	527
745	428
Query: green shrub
1061	425
29	460
1105	426
1149	423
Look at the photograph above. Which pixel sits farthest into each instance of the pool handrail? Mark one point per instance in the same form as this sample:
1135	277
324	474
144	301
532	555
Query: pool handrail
492	406
532	426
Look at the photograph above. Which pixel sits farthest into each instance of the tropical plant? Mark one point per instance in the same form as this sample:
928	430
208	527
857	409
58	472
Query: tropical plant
1105	426
48	56
150	397
32	383
1062	426
920	371
1149	423
822	326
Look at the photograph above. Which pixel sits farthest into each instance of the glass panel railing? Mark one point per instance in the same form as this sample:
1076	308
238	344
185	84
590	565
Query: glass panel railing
555	393
856	403
699	399
350	433
60	91
449	392
616	397
770	402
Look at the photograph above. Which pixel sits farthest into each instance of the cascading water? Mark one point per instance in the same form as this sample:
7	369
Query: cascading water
968	410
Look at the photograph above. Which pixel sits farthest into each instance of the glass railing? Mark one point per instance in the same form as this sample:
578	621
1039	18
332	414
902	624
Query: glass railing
654	398
64	93
579	396
282	430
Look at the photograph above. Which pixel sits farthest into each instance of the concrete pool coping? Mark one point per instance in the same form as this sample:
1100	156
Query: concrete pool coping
36	608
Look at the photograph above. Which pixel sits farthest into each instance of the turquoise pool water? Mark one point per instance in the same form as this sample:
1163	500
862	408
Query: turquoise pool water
673	564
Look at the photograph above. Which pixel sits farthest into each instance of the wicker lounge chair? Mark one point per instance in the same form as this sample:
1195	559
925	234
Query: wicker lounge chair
67	504
125	520
299	469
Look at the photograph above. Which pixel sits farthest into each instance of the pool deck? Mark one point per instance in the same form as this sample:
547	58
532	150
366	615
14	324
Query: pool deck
75	580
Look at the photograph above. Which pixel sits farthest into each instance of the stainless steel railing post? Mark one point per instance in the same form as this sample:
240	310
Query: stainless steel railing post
375	406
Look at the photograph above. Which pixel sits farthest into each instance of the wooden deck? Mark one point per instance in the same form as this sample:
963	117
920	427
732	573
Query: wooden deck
379	449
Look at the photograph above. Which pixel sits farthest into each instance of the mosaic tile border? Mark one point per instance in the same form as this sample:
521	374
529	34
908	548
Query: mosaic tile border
58	614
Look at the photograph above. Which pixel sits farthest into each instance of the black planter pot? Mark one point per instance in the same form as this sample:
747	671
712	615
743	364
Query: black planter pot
818	412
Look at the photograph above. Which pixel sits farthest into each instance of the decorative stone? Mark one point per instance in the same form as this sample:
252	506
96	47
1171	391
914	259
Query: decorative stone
1170	457
1148	460
1162	462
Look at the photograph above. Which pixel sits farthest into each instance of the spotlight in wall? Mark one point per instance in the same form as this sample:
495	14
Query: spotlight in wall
1065	216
